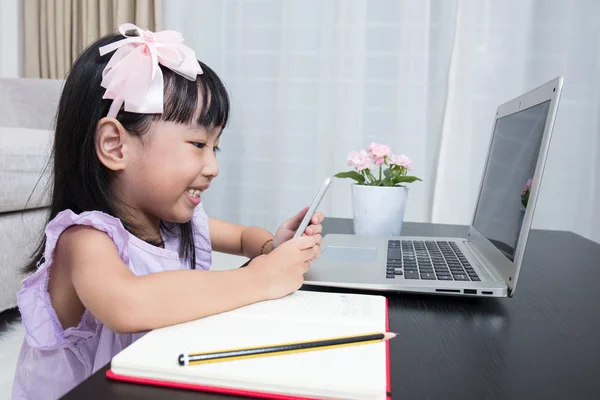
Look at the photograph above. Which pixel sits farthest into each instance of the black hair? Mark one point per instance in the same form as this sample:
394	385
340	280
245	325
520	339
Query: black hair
81	182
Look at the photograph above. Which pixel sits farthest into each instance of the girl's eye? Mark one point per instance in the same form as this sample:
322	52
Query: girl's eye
199	145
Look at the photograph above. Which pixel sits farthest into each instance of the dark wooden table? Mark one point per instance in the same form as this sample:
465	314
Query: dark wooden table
544	343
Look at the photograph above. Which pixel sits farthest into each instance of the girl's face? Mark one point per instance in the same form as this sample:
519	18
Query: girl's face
167	172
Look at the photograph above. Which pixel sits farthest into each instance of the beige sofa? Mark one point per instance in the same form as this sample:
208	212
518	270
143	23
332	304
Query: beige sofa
27	111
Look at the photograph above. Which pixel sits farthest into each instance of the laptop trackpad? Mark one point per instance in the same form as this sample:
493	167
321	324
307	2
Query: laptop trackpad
349	254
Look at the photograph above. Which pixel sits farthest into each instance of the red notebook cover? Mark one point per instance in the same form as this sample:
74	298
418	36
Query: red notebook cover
245	393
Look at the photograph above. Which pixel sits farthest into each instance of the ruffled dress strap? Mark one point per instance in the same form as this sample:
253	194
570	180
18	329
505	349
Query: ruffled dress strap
42	327
202	238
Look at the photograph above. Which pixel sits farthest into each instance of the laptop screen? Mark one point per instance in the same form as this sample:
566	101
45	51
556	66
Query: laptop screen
514	151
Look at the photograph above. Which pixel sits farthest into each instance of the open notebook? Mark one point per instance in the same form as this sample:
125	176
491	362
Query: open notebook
351	372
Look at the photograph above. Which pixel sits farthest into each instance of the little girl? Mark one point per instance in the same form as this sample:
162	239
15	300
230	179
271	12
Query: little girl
128	245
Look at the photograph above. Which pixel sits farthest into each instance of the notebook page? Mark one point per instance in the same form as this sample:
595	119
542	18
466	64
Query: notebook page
321	307
348	372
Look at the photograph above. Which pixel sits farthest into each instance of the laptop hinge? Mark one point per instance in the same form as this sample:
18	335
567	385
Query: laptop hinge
483	262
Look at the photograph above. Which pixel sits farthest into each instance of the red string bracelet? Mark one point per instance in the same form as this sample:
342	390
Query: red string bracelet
262	248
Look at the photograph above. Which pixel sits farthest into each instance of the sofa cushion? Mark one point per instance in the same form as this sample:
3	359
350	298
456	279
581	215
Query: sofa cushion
23	155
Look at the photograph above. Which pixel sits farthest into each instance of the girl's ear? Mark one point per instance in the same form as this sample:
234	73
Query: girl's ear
112	144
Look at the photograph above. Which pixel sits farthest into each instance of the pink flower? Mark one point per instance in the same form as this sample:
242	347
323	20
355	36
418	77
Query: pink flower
359	160
402	161
379	160
527	186
379	150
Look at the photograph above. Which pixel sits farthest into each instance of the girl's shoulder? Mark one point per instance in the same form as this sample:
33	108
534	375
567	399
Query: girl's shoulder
43	329
96	219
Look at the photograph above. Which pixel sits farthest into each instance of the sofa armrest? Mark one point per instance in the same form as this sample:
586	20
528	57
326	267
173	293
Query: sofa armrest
29	103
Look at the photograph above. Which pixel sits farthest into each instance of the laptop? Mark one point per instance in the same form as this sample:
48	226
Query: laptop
487	261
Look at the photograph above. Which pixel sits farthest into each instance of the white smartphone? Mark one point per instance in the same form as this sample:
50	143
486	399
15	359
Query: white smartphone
313	208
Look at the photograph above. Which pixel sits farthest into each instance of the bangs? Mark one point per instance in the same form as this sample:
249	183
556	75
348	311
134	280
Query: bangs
203	102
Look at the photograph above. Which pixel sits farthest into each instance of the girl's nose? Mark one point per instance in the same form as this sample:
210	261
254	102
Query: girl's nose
211	168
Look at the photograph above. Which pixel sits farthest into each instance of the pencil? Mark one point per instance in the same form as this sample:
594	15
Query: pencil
283	348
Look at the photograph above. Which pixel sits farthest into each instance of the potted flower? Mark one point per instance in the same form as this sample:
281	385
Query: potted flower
525	194
380	193
522	207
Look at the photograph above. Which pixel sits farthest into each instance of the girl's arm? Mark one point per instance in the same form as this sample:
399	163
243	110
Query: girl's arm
128	303
236	239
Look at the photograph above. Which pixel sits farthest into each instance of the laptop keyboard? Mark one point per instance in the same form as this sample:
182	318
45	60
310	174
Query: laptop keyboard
428	260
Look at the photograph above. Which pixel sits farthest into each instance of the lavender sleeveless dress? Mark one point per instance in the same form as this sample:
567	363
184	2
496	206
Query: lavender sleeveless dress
53	360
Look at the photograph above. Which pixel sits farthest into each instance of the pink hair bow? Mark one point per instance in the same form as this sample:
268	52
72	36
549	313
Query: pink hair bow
132	75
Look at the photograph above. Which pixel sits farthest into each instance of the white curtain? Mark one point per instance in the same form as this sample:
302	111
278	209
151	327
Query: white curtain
10	40
312	80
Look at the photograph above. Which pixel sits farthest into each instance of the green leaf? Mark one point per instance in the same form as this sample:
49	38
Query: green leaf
373	180
389	176
405	179
525	198
352	175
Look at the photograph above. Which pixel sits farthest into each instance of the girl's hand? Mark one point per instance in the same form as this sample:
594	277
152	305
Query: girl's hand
288	228
281	272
